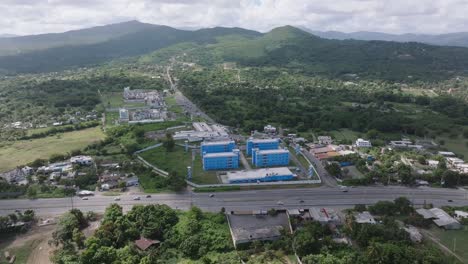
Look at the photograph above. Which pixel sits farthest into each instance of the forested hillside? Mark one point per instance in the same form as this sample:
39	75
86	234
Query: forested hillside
285	47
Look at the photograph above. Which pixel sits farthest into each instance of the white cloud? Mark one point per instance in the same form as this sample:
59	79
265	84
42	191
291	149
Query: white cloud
396	16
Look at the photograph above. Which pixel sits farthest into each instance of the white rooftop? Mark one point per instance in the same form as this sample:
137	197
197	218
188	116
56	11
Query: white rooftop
214	143
263	140
365	218
258	173
446	153
272	151
221	154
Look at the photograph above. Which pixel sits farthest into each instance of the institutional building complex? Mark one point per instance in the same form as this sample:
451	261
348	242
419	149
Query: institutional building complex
217	146
221	160
259	175
270	158
261	144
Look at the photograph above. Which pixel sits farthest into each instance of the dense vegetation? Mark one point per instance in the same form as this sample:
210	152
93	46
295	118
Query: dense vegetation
311	103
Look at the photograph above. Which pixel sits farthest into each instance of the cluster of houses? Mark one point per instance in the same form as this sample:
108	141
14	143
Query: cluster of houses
66	119
202	131
55	171
112	178
325	149
454	163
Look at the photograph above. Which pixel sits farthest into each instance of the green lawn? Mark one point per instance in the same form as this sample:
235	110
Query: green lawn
173	106
114	100
457	145
177	161
345	134
22	253
13	154
448	237
112	118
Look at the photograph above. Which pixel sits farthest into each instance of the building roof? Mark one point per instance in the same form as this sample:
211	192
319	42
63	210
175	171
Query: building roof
258	173
263	140
216	143
221	154
324	215
462	214
443	218
272	151
321	150
364	218
250	227
446	153
144	243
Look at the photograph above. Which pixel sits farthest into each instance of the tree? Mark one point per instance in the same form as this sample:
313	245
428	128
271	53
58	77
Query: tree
383	208
403	205
360	207
176	182
450	178
78	237
405	175
169	142
333	168
31	191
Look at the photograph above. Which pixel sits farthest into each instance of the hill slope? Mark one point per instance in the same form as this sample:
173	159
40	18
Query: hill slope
459	39
22	44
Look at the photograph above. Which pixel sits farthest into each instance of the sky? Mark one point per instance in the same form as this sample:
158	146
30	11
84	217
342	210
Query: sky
24	17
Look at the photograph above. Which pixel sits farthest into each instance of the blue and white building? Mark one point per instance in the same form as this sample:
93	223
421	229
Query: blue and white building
217	146
221	160
259	175
270	158
261	144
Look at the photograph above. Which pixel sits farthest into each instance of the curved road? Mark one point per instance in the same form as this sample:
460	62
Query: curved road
249	200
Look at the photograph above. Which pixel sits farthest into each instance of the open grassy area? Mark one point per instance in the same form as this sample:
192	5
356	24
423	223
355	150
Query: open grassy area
172	105
22	252
114	100
13	154
112	118
458	145
177	161
448	237
345	134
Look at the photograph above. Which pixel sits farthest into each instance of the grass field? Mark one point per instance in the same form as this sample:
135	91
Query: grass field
22	253
13	154
114	100
177	161
447	237
457	145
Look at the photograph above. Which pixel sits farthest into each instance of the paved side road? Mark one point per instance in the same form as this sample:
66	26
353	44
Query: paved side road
327	179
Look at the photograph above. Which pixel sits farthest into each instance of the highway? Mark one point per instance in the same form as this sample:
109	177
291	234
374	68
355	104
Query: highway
249	200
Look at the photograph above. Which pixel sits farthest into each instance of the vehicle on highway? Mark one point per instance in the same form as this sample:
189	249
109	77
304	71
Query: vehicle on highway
136	198
148	196
211	195
280	203
84	198
117	199
344	189
301	201
450	201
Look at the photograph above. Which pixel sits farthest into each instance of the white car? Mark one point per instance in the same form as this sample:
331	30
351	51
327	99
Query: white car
84	198
280	203
117	199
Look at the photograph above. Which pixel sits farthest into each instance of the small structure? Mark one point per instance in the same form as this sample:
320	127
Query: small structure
259	175
325	216
461	215
447	153
81	160
325	140
364	218
361	143
123	115
251	226
269	129
145	243
433	163
203	131
414	234
440	218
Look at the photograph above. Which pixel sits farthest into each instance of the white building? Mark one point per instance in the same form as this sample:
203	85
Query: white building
361	143
364	218
269	129
325	140
82	160
433	163
440	218
123	115
460	214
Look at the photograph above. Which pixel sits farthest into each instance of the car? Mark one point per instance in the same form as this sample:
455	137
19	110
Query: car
301	201
148	196
84	198
136	198
450	201
344	189
117	199
211	195
280	203
17	211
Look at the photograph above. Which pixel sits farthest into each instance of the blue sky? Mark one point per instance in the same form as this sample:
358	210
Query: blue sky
391	16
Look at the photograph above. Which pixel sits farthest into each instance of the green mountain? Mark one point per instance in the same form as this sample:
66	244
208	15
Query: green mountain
21	44
129	45
283	47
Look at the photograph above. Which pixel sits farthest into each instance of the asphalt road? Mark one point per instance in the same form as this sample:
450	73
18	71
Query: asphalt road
249	200
327	179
